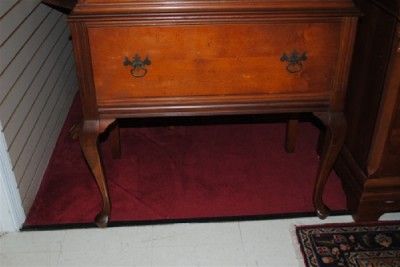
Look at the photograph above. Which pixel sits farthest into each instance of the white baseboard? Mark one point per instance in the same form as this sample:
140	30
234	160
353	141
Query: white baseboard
12	214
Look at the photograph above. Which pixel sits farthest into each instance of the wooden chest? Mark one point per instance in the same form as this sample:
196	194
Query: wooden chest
369	163
204	57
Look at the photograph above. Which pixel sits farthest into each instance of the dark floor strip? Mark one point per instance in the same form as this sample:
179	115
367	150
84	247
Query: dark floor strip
172	221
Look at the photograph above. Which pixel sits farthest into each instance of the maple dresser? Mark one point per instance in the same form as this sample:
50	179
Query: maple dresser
204	57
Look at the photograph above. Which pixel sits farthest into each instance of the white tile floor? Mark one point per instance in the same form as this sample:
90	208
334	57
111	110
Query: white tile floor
244	243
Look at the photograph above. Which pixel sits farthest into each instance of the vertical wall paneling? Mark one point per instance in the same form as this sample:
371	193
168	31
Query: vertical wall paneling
22	35
40	130
37	86
37	167
18	129
18	87
23	57
7	5
15	16
28	137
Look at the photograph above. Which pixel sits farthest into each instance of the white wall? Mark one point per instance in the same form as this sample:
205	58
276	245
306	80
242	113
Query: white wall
37	86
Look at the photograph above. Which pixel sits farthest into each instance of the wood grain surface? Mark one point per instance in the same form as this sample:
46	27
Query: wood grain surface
213	59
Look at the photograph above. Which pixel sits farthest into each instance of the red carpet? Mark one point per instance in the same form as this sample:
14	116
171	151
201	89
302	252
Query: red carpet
187	171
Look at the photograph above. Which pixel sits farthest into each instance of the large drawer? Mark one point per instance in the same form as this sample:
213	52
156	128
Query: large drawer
214	60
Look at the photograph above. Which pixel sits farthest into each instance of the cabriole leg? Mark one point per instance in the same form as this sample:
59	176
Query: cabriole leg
115	142
291	135
335	124
88	139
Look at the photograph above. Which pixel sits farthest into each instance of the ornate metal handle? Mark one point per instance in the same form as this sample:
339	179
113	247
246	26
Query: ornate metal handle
295	60
138	65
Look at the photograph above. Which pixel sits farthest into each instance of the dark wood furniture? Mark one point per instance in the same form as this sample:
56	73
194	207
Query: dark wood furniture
369	163
64	6
203	57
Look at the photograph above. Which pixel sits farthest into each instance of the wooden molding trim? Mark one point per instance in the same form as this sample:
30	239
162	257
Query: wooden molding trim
344	62
203	106
87	7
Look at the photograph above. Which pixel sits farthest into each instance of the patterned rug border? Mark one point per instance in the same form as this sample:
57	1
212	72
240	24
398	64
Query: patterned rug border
327	225
298	228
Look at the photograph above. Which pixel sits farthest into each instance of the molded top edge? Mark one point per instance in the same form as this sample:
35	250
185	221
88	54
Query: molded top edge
166	6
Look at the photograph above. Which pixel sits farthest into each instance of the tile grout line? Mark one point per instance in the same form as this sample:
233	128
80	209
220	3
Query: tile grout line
245	255
241	238
151	245
61	248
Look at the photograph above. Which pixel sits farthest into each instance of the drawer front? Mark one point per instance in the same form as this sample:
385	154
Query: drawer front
213	60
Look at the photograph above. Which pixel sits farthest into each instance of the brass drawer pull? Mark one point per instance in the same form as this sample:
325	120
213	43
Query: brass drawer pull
295	61
138	65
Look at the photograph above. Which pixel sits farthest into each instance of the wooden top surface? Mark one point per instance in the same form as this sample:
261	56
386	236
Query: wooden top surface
162	6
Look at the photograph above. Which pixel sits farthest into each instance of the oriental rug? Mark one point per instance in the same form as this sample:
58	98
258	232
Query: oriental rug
350	245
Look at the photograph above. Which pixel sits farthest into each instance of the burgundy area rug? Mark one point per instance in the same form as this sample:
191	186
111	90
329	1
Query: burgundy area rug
195	169
351	245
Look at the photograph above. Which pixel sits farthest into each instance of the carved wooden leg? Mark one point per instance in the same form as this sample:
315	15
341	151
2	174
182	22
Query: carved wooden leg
334	138
88	139
320	143
292	127
115	142
368	211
